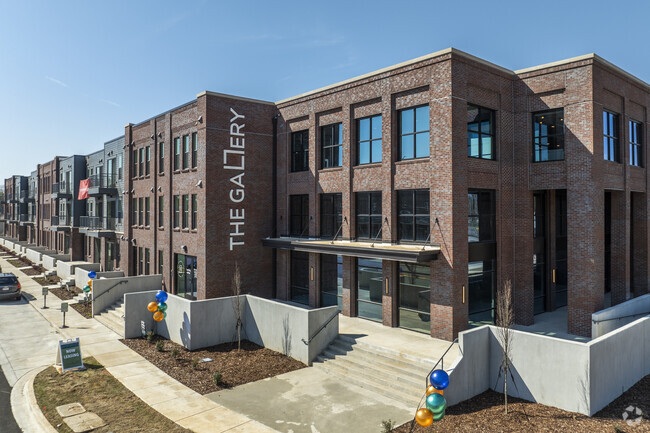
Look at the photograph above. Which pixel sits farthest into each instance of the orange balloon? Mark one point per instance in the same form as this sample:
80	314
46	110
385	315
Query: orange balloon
424	417
431	389
152	306
158	316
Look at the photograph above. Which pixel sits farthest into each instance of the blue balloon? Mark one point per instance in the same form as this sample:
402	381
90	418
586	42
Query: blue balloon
161	296
439	379
436	403
92	274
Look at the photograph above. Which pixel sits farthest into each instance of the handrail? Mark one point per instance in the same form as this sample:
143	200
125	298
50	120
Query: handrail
619	318
109	289
323	326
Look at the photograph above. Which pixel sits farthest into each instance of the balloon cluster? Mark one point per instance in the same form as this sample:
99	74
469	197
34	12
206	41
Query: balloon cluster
435	402
89	286
159	307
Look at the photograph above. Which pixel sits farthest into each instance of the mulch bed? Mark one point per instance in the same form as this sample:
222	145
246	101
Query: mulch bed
250	364
83	308
64	294
48	281
19	262
486	413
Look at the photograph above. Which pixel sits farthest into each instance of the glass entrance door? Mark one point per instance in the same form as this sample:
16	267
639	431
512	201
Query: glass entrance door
369	283
415	297
186	276
539	252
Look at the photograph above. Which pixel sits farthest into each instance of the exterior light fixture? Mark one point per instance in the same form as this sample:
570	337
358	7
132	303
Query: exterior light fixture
160	189
199	183
184	248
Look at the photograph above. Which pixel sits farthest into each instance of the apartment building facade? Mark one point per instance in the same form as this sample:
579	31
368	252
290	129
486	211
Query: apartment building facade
406	196
47	206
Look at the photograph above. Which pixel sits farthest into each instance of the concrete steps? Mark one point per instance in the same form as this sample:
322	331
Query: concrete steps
379	370
113	317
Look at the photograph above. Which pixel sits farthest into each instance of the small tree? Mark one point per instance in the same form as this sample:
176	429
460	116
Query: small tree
237	306
505	320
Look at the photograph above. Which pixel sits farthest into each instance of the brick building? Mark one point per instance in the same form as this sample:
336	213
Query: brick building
407	196
47	206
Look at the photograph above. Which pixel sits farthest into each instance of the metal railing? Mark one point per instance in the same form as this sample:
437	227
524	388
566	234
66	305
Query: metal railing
23	195
95	222
103	181
23	217
323	326
61	188
60	220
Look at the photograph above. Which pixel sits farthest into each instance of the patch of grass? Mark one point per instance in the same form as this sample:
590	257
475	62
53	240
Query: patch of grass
101	393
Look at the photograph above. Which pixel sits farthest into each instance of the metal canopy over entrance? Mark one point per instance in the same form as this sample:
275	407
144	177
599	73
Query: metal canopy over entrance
384	251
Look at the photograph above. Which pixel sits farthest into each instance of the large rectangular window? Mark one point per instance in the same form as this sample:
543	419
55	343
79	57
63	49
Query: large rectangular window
148	160
134	211
195	148
480	132
186	276
134	157
186	151
369	140
611	136
331	280
331	212
481	216
548	135
177	204
147	260
141	165
413	210
369	288
415	296
140	261
147	211
414	133
636	141
300	277
140	211
160	262
177	153
186	210
161	211
300	151
299	218
331	145
161	157
368	222
195	210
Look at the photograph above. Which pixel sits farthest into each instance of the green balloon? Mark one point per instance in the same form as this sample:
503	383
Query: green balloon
164	315
438	416
162	306
86	289
436	403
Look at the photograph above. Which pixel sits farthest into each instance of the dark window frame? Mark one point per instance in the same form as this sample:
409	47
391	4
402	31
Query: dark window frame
176	210
414	133
417	195
486	219
177	154
611	136
370	140
480	133
300	151
161	157
195	146
331	215
186	152
333	151
194	204
299	215
538	138
371	219
161	211
186	211
635	137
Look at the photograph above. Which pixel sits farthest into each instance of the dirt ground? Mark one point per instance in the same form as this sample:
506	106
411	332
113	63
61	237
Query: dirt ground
48	281
485	413
250	364
102	394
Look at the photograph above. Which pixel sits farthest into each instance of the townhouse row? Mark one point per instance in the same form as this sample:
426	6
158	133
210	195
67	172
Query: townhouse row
407	196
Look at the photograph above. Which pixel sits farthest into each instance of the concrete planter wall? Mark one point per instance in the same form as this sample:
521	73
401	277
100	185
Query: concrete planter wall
81	274
107	291
51	260
66	269
612	318
272	324
574	376
35	256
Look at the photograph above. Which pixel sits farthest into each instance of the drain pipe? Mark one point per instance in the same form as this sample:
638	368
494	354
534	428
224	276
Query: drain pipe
274	272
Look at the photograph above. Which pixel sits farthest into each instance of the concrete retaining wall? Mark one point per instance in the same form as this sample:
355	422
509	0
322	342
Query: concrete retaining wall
612	318
51	260
66	270
35	256
118	287
81	274
570	375
197	324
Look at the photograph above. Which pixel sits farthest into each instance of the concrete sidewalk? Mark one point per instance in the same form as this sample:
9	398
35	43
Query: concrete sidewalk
29	336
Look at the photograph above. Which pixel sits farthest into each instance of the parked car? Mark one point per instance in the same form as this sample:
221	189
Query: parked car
9	287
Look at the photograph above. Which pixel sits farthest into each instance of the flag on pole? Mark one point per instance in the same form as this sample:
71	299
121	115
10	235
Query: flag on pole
83	189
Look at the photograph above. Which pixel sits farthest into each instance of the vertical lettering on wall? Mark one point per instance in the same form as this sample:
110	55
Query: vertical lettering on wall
234	159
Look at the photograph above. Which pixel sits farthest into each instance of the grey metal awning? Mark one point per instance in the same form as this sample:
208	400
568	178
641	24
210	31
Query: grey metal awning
368	250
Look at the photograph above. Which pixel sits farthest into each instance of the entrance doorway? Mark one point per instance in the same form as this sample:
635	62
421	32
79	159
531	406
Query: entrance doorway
415	297
186	276
369	283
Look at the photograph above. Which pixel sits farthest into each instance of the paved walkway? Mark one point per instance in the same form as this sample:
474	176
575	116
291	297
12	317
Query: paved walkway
29	337
552	324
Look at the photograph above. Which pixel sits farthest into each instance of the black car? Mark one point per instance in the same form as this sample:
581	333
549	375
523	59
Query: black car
9	287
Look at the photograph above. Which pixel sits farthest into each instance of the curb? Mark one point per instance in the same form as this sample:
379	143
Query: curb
26	411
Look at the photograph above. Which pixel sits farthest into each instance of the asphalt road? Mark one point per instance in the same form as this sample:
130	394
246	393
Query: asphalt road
7	422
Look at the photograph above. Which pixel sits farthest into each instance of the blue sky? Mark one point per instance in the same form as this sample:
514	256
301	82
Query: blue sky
75	72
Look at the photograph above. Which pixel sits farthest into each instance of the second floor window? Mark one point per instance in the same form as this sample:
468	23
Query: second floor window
480	132
177	204
148	161
161	211
140	211
414	133
413	211
481	216
177	153
300	151
195	209
161	157
368	221
299	215
141	160
610	136
147	211
186	210
331	212
331	146
369	140
195	148
636	140
186	151
548	136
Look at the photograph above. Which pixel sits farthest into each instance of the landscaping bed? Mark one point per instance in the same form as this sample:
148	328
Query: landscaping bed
48	281
84	308
19	262
250	364
485	413
99	392
65	295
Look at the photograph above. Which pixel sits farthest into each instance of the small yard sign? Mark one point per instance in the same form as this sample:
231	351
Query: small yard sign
69	355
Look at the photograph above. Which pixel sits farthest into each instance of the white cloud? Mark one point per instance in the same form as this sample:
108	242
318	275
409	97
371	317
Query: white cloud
55	81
